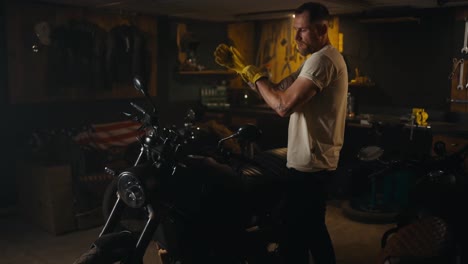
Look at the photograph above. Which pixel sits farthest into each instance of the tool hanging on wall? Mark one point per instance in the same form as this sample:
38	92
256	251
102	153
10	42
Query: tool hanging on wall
267	49
465	48
460	79
457	101
287	44
459	87
466	85
456	64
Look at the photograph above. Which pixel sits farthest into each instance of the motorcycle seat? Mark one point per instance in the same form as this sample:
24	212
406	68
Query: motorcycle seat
267	168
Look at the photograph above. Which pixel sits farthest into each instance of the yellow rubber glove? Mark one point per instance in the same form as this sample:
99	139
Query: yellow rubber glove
230	58
251	73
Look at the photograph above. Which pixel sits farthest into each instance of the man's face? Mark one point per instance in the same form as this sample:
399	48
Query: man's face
307	37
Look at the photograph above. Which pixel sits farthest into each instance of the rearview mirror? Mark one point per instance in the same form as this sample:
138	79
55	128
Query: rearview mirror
248	132
138	84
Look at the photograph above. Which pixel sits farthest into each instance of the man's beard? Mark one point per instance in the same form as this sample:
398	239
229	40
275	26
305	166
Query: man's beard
304	51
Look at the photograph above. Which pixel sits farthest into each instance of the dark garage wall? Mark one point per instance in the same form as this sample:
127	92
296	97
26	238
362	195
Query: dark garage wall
173	99
409	61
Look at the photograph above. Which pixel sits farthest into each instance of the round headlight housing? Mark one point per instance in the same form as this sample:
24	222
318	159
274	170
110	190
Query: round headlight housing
130	190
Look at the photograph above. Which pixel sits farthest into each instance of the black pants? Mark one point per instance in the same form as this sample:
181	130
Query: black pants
305	219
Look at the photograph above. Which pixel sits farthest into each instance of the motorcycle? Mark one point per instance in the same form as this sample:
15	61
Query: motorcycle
198	206
431	229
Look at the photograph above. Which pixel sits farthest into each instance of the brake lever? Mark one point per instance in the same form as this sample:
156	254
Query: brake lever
132	117
137	107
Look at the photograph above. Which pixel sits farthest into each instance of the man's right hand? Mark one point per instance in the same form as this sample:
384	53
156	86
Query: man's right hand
229	57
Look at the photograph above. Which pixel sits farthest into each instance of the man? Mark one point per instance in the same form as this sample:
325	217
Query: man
314	98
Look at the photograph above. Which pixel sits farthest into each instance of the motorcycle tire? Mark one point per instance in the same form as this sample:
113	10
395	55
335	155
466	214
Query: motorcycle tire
89	257
131	219
109	198
95	256
109	249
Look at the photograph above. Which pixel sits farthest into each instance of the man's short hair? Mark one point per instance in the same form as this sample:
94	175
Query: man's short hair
317	11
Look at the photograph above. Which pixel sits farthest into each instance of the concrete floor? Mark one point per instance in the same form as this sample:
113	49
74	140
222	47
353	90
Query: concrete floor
22	242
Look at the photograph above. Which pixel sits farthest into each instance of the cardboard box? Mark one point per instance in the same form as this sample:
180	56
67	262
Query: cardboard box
45	196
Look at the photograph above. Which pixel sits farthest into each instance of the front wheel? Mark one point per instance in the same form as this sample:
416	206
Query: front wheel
110	196
89	257
110	248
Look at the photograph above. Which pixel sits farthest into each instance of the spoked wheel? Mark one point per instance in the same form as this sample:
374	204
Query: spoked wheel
109	249
88	257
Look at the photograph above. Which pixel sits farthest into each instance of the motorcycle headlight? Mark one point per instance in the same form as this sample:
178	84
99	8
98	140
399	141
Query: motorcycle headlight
130	190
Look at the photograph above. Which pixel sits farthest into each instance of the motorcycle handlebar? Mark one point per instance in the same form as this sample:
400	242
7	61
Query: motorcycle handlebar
137	107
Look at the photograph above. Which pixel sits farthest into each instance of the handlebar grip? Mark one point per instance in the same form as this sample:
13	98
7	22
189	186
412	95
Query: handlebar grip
137	107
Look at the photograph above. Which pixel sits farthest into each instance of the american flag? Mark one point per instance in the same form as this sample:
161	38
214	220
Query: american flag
104	136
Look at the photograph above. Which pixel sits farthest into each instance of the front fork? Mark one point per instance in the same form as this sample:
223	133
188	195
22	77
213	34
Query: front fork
146	234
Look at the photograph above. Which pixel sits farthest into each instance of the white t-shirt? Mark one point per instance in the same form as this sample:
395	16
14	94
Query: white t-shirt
316	130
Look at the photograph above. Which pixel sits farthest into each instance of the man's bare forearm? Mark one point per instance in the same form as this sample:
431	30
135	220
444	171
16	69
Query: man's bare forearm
272	95
285	83
270	92
282	85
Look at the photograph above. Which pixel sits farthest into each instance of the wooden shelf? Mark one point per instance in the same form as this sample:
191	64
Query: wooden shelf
209	72
355	84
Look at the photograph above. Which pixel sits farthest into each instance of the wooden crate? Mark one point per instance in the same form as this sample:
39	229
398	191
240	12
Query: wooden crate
45	196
